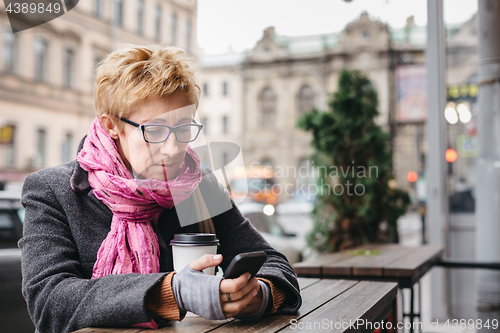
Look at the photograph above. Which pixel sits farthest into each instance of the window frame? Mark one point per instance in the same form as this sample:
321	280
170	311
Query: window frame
41	64
12	47
158	25
69	68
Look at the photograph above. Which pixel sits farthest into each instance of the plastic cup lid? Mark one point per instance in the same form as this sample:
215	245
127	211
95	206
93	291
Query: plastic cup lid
193	239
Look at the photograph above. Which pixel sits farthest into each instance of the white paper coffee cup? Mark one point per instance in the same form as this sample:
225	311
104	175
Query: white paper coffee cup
191	246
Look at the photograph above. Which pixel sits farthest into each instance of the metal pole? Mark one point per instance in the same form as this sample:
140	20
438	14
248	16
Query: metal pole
488	168
437	208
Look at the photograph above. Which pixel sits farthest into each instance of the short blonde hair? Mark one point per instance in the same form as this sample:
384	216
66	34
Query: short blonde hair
130	75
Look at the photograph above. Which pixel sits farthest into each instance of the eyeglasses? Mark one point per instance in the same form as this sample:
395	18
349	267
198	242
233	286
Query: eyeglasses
156	133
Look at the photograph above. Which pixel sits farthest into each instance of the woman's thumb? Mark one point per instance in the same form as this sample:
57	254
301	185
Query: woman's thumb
205	261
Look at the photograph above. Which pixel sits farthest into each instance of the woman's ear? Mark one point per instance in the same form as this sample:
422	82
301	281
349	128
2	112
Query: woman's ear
109	125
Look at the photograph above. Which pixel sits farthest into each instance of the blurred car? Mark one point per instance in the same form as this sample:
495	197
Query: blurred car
256	184
301	203
13	311
11	219
262	218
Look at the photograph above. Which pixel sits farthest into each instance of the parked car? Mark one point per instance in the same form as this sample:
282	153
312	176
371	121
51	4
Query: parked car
13	311
255	184
11	219
301	203
262	218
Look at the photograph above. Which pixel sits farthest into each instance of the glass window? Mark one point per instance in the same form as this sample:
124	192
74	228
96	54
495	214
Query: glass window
8	133
258	220
41	143
264	223
224	125
140	16
9	50
8	231
97	62
66	148
69	67
188	35
305	99
158	22
267	103
97	8
20	213
118	12
274	228
41	58
224	88
6	220
174	29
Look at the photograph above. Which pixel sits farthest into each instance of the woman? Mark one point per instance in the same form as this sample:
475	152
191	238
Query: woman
95	247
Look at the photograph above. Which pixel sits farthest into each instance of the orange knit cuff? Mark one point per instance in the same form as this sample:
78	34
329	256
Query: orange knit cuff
160	300
278	294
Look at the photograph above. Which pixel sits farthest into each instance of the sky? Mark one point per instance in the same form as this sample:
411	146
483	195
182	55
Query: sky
240	23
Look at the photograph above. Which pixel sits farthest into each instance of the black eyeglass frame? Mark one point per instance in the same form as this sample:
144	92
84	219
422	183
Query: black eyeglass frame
170	130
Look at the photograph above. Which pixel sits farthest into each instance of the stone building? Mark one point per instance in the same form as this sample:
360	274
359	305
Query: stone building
281	77
220	108
47	73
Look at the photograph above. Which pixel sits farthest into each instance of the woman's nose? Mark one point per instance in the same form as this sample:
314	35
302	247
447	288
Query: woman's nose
170	147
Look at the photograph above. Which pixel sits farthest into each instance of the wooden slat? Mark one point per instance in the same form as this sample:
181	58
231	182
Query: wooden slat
416	263
366	300
193	324
306	282
313	298
373	265
314	267
109	330
344	262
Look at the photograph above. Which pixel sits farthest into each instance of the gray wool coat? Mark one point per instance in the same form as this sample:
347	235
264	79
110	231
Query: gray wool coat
64	227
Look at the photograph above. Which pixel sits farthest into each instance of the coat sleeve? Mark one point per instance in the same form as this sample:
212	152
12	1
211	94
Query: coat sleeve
59	299
237	235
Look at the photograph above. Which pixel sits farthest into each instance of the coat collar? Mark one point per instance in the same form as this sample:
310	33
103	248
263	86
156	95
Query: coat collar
80	178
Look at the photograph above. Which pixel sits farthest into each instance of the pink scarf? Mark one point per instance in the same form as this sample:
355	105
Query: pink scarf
131	246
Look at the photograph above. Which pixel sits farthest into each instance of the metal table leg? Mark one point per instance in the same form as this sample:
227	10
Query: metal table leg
411	314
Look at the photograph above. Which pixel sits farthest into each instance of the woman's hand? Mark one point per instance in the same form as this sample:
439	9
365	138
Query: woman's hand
245	295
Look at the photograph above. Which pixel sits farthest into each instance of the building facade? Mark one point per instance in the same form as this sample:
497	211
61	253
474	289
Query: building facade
281	77
47	73
220	107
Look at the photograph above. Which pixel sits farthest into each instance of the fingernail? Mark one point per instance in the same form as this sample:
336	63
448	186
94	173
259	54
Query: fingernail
249	276
217	257
254	293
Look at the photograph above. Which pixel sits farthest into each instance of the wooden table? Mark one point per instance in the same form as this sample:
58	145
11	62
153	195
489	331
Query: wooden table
386	262
327	304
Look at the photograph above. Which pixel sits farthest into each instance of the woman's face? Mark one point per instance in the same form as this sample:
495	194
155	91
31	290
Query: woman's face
155	160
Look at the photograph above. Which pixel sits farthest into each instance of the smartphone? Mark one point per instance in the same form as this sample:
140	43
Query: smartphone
245	262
